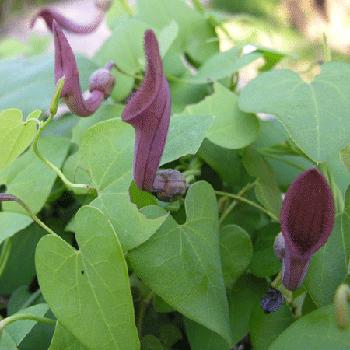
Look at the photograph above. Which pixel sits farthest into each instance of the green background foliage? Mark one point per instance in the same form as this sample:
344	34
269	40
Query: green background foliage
125	270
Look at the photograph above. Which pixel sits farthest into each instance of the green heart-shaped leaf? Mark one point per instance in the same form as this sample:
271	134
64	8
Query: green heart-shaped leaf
11	223
316	115
15	135
236	252
232	128
64	340
315	331
93	283
181	263
106	153
30	179
223	65
186	134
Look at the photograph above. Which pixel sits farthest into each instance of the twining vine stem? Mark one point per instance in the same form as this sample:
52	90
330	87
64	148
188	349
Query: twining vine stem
127	7
247	201
34	217
142	310
20	317
76	188
198	5
5	254
6	197
234	203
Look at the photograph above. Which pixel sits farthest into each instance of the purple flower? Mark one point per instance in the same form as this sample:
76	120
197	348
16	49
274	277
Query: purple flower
101	81
148	111
50	15
307	219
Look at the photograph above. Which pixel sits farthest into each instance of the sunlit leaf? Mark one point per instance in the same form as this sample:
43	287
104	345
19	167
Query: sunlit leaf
93	282
311	113
232	128
16	135
181	263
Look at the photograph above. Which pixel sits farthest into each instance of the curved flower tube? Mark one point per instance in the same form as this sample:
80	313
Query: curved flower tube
307	219
50	15
148	111
101	82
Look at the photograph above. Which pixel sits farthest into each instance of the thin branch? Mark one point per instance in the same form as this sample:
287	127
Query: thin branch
228	210
247	201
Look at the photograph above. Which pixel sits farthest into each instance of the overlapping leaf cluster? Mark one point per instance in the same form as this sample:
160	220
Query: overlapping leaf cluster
127	271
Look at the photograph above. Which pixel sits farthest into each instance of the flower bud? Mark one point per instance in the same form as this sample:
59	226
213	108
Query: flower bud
307	219
169	184
148	111
272	301
102	80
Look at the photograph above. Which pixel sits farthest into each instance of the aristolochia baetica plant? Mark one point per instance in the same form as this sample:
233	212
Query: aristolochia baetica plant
50	15
307	219
101	81
148	111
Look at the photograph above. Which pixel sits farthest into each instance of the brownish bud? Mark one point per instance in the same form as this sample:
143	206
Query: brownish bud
169	184
102	80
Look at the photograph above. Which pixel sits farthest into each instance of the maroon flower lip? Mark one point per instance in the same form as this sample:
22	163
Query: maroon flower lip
101	82
51	15
307	219
148	111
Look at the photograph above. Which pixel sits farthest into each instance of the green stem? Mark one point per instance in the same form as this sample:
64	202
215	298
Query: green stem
76	188
276	283
198	6
34	217
142	311
282	160
327	55
131	75
247	201
5	254
191	174
127	7
20	317
234	203
31	299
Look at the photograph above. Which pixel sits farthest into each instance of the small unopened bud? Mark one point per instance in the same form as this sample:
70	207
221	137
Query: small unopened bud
341	299
272	301
102	80
103	5
169	184
279	246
